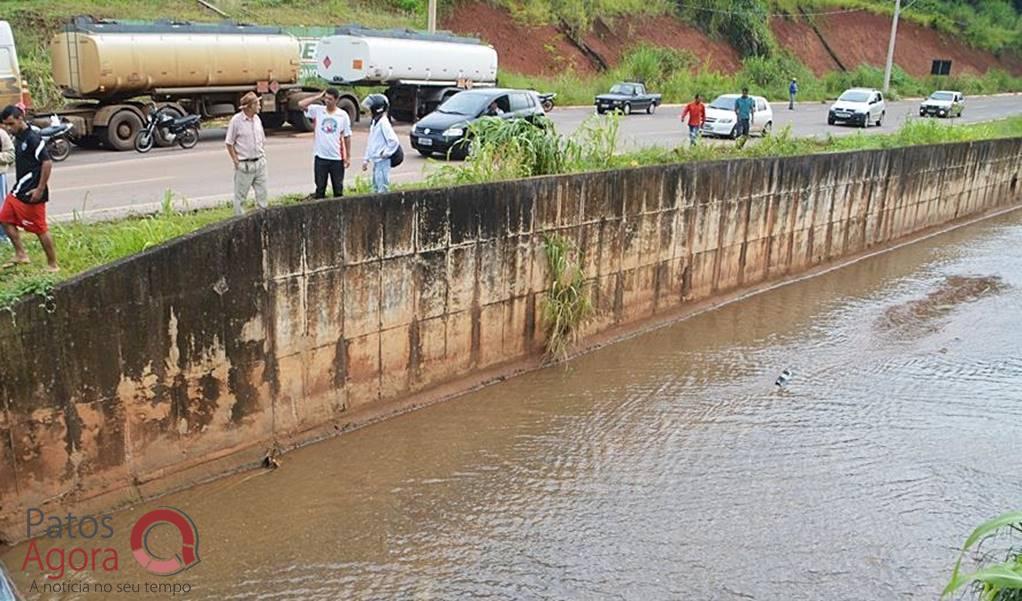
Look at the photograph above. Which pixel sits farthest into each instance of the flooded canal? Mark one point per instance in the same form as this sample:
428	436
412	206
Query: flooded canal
668	466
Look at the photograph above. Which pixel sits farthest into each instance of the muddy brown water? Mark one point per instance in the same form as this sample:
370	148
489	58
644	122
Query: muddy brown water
666	466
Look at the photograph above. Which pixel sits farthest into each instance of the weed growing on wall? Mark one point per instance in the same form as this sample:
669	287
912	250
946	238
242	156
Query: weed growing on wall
567	304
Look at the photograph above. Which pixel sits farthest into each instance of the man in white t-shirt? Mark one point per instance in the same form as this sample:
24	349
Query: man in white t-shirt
332	144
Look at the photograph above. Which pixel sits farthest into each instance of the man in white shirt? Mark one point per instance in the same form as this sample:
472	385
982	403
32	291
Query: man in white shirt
332	143
383	143
245	141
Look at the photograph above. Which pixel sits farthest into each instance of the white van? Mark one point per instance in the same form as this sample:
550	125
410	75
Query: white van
722	121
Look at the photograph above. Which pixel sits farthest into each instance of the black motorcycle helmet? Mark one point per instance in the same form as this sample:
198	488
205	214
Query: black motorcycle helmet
376	104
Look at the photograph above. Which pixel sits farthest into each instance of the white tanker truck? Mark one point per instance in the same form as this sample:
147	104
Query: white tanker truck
419	70
110	70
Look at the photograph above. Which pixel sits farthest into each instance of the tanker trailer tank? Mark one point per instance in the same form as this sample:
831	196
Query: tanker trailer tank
114	69
130	61
420	70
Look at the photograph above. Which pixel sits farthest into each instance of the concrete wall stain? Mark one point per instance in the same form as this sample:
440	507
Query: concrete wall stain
267	326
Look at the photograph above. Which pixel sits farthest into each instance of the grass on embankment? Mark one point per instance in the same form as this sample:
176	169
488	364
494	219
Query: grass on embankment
82	246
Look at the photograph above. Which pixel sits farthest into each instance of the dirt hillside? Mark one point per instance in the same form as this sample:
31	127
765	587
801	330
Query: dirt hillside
612	41
545	50
861	38
798	37
531	50
855	38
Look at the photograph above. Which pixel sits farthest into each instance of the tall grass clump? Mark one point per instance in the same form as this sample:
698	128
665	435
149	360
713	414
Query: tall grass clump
500	149
995	579
567	304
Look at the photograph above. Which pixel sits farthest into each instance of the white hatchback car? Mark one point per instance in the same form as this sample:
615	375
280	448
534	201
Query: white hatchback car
722	121
858	106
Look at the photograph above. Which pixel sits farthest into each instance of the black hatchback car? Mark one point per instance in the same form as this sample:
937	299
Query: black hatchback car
443	130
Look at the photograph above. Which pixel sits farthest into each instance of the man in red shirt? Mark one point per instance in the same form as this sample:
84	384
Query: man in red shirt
696	113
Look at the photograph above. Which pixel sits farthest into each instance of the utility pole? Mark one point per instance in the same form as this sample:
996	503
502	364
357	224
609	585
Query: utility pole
890	47
432	16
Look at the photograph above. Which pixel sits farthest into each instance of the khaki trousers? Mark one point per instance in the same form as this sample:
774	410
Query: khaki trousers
250	175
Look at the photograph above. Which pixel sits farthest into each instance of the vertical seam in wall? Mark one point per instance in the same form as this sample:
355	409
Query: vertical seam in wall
303	299
10	432
379	307
744	251
270	320
721	219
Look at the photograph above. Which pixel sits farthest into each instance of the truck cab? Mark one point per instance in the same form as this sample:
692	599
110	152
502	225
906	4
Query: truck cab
11	91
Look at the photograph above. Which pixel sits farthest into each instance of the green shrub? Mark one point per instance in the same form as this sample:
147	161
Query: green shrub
567	304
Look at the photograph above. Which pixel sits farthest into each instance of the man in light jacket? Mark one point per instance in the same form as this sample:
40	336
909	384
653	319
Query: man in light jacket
383	142
6	160
245	145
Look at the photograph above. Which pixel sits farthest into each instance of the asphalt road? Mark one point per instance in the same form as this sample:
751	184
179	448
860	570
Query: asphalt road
102	183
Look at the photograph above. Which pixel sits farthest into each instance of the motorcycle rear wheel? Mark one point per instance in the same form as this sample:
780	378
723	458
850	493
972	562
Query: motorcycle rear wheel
144	141
58	149
188	138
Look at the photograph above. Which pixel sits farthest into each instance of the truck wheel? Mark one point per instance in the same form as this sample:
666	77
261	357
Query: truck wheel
651	108
299	121
346	105
122	129
272	120
628	108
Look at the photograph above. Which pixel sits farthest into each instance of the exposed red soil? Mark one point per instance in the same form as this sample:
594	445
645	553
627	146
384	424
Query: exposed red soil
544	50
856	38
526	49
612	41
861	38
798	37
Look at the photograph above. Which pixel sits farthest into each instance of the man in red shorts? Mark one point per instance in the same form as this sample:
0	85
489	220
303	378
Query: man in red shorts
25	206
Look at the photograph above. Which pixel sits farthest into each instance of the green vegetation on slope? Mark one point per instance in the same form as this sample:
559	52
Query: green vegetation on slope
994	25
506	152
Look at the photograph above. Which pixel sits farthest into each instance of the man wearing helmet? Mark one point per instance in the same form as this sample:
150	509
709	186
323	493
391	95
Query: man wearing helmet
383	143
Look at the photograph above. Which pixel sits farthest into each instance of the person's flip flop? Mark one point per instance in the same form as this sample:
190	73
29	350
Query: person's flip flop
12	264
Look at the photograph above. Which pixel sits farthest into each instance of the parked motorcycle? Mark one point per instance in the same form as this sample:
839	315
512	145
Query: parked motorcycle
547	101
182	130
57	137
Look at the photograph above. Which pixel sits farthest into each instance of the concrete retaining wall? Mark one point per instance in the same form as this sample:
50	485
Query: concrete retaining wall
191	359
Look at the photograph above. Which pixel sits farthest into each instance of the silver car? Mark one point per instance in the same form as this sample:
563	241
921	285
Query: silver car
858	106
943	103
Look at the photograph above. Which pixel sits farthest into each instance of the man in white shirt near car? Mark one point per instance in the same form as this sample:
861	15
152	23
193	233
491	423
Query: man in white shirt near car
332	143
383	143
